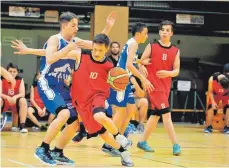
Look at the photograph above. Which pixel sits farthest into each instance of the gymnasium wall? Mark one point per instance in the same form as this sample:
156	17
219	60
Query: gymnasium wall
203	47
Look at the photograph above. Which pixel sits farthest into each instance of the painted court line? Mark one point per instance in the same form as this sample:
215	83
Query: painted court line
20	163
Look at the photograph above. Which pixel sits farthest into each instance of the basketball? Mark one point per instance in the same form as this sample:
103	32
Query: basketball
118	78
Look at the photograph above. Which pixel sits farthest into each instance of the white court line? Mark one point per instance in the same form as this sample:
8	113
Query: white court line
20	163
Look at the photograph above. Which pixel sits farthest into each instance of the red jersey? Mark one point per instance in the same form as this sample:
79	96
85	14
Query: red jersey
6	87
37	97
90	79
218	90
162	58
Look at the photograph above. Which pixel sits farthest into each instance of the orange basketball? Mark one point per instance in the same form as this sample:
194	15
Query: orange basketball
118	78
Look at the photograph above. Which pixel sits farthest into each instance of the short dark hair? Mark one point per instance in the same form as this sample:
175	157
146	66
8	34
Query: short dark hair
11	65
167	22
67	17
138	27
114	42
226	68
101	39
224	82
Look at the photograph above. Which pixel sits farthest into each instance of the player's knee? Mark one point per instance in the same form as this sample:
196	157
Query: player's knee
166	117
144	103
100	117
64	114
30	111
22	102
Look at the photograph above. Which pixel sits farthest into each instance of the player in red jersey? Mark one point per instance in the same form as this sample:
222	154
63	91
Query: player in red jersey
13	99
164	64
218	90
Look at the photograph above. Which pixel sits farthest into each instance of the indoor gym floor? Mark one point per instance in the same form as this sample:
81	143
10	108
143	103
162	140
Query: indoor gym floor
198	150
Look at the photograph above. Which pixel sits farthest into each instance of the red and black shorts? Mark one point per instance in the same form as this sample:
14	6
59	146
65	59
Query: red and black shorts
159	102
86	112
218	99
8	107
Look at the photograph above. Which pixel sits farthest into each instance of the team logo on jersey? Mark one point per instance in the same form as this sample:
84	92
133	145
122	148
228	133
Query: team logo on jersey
61	72
10	92
164	57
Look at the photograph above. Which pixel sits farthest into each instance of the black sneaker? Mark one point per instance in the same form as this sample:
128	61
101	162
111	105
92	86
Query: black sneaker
79	137
43	128
208	129
109	150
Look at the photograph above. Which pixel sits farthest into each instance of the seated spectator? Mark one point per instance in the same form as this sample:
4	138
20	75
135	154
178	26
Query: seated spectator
37	107
14	99
114	52
218	90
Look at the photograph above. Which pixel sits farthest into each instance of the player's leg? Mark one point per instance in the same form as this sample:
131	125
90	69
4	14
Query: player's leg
3	117
21	105
110	139
142	105
209	119
54	103
31	112
226	113
66	135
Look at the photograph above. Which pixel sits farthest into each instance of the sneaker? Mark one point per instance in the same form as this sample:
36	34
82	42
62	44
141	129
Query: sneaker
123	141
140	128
44	157
208	129
15	129
126	160
43	128
23	130
109	150
79	137
144	146
61	159
35	129
226	130
176	149
3	119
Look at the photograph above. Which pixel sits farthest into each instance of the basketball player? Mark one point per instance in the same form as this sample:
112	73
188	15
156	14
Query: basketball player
218	90
14	99
55	69
127	61
165	64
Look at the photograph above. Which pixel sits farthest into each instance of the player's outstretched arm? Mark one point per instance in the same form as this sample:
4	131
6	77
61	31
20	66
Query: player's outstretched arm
8	77
22	49
87	44
74	54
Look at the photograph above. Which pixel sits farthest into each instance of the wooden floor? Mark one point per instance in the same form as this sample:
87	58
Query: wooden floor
198	150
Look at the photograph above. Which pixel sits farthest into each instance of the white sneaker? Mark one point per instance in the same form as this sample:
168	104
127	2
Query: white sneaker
23	130
126	160
14	129
123	141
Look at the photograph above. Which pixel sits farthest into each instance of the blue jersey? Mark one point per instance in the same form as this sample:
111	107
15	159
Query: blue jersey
124	54
61	69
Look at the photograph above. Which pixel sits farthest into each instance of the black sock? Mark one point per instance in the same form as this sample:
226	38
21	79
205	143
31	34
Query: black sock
82	128
134	122
22	125
121	149
116	135
46	146
58	150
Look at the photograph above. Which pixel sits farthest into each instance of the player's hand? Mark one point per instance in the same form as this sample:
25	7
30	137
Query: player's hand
143	70
163	74
145	61
10	100
147	85
14	100
20	47
111	19
214	105
41	112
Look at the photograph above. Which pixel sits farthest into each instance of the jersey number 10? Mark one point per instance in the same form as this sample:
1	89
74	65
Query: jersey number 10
93	75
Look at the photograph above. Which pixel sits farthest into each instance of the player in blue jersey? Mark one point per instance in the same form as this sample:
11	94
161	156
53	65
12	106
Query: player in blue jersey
128	60
55	69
